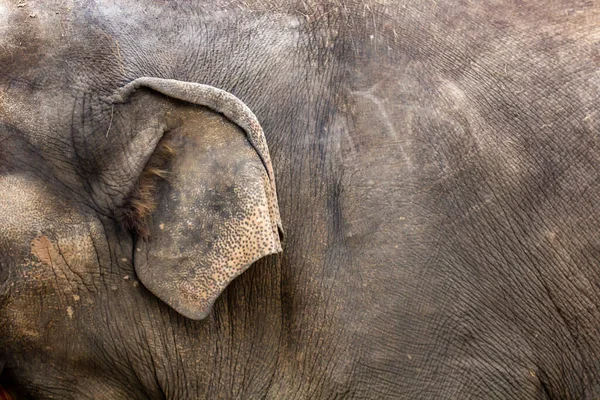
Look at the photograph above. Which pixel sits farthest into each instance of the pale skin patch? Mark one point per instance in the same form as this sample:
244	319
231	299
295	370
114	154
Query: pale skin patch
70	259
42	248
50	254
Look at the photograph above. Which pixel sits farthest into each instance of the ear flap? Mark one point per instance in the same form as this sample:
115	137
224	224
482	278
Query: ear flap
218	212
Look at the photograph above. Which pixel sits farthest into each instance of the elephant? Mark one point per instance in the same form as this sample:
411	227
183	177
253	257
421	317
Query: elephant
317	199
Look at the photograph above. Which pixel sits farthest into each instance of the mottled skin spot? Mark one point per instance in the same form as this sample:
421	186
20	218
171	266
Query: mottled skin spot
42	248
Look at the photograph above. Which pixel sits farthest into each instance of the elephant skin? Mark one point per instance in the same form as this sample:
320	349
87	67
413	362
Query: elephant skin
279	199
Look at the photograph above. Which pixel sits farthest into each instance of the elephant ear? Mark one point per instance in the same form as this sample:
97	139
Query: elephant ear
217	213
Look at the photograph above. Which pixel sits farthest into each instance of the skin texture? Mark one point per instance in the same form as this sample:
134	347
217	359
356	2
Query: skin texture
437	175
218	212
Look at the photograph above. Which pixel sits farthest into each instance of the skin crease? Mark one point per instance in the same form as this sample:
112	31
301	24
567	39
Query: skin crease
437	173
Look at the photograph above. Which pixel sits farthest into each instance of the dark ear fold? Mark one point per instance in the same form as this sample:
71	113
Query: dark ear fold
217	212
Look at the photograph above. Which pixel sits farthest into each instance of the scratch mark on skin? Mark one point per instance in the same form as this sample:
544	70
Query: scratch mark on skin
386	119
116	53
119	57
112	113
368	94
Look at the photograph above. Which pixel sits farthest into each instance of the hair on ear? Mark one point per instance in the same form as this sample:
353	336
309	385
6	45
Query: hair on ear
141	203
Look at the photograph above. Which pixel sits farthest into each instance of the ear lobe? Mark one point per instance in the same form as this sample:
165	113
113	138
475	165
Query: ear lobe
217	213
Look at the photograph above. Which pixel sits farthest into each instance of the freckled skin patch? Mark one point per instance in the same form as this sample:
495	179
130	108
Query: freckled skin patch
217	205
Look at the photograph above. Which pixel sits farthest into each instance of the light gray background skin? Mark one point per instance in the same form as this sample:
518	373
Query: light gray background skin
437	171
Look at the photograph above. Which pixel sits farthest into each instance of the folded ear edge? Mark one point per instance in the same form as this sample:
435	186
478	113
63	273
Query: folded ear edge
218	100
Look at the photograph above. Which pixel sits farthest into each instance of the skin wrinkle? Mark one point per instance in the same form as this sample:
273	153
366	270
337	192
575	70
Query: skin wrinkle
516	253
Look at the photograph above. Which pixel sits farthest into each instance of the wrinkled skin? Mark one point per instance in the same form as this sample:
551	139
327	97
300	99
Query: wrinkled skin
437	171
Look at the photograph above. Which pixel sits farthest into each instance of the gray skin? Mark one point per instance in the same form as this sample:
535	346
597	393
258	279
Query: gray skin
437	168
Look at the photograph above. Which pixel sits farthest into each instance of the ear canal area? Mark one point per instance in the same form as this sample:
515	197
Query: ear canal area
141	203
211	215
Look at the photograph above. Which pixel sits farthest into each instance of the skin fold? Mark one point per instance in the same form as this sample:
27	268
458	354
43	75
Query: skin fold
437	179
